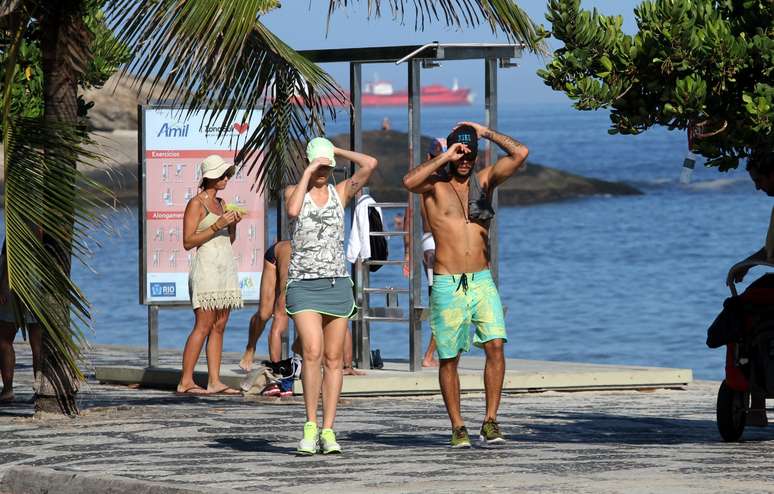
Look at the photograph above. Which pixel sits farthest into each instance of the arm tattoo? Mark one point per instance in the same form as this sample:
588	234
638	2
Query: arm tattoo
506	143
423	168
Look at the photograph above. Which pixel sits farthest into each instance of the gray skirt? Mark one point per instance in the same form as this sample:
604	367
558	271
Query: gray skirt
327	296
7	312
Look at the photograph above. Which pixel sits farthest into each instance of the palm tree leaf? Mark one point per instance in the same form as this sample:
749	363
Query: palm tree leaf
292	115
501	15
9	7
217	57
50	209
279	137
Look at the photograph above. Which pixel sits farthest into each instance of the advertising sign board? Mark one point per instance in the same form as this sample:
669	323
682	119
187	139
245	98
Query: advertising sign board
172	146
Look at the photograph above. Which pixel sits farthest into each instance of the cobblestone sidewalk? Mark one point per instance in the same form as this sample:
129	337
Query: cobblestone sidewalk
599	442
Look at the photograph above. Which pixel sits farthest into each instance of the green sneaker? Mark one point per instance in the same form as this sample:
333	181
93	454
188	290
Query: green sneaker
311	441
460	438
490	433
328	442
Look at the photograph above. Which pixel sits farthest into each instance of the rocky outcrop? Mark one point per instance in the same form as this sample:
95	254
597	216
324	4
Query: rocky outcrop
115	103
533	184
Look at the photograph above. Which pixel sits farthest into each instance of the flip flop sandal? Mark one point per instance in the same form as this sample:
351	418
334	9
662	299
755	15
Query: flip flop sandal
227	391
192	391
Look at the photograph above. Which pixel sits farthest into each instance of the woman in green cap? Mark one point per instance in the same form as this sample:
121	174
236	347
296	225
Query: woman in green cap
319	292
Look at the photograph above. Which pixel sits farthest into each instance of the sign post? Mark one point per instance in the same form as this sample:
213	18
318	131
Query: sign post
171	145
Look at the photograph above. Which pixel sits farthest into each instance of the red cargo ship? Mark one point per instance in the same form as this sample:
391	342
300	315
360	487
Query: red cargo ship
381	93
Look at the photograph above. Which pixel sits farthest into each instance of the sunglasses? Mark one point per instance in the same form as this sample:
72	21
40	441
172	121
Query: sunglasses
228	174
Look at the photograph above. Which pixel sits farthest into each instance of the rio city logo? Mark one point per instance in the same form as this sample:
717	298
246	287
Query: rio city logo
174	129
247	283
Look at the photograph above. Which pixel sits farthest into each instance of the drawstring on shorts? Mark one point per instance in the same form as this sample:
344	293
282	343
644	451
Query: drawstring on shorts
464	281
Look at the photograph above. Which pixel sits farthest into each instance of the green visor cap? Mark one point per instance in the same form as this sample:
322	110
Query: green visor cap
320	147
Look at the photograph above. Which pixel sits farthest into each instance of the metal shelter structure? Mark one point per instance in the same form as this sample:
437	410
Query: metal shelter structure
416	57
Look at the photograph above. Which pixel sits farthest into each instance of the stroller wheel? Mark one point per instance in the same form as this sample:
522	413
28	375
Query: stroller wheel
732	408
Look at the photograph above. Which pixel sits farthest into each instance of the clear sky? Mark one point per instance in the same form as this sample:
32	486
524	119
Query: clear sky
301	24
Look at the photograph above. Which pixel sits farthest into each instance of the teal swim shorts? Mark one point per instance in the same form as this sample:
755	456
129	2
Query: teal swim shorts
459	300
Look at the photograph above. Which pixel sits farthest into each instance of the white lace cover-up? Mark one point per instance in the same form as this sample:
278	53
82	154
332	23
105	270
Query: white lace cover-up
213	282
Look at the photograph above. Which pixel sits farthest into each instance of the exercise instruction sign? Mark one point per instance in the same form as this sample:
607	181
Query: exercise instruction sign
173	144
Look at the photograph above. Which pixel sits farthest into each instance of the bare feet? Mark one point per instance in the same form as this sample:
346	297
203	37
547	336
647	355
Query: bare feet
429	362
351	371
246	364
191	390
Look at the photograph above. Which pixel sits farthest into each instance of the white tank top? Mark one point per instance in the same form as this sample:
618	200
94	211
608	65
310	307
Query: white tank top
317	240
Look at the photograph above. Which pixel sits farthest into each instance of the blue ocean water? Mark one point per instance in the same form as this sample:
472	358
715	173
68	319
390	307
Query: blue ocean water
619	280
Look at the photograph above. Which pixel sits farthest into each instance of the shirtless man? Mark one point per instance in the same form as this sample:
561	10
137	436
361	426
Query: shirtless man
437	146
463	290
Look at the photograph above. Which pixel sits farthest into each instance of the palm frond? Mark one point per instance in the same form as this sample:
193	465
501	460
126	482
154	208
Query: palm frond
501	15
292	114
50	208
9	7
217	57
279	136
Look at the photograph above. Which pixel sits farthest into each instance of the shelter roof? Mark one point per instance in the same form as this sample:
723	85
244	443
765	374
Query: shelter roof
434	51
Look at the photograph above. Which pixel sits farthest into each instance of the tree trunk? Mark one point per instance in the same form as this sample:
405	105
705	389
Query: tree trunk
64	46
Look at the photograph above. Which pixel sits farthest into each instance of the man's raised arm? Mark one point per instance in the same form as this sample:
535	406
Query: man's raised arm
507	165
420	179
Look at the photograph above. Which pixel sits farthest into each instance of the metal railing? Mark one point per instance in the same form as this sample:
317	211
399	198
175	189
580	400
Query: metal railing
391	311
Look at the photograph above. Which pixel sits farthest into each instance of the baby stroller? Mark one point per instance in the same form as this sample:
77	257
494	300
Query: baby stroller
746	328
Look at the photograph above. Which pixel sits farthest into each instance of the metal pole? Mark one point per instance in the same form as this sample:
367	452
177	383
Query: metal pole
364	355
153	336
356	112
360	331
361	351
490	108
141	217
415	254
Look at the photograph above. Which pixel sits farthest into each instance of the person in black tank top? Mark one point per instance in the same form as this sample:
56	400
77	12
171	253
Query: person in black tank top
270	256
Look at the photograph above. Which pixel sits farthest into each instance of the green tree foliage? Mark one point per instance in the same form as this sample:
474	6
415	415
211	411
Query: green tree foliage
27	86
50	206
700	65
105	56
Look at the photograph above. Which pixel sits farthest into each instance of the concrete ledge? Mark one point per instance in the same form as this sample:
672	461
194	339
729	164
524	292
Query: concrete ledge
395	378
35	480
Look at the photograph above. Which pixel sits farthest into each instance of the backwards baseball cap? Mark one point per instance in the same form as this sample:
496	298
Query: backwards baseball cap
214	166
465	134
320	147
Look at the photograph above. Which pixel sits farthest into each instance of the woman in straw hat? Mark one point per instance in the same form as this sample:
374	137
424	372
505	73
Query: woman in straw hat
319	292
213	282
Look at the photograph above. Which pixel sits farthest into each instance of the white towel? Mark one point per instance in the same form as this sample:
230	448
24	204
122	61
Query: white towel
359	245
